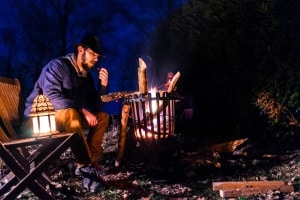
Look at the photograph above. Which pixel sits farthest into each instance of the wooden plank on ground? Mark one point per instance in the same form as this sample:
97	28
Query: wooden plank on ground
233	185
246	188
239	192
254	191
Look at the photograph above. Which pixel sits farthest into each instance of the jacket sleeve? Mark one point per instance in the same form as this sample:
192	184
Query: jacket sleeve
102	90
52	80
94	98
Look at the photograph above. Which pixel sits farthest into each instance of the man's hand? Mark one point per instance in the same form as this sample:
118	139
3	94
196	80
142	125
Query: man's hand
90	118
103	76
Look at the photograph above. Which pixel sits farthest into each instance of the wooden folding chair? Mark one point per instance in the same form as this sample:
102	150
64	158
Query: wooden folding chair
28	169
12	106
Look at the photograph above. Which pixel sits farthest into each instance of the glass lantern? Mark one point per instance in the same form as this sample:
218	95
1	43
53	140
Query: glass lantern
43	116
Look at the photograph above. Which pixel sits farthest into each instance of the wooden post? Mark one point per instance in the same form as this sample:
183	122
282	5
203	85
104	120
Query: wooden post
122	139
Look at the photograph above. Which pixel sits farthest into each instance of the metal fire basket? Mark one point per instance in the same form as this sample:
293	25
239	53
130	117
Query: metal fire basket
153	116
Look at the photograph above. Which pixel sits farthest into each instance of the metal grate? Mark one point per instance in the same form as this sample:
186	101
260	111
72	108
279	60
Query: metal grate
153	116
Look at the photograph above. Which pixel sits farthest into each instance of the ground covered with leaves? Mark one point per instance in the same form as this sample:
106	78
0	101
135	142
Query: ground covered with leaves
183	169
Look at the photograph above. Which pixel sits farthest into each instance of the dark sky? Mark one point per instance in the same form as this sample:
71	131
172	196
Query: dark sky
32	32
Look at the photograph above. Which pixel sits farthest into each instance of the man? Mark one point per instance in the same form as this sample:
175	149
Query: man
71	89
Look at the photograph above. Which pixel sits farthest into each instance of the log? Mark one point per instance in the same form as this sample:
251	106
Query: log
254	191
239	193
247	188
142	77
122	139
228	147
173	82
232	185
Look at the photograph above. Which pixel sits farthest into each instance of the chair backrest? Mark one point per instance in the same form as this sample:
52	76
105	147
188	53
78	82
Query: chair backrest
11	106
3	135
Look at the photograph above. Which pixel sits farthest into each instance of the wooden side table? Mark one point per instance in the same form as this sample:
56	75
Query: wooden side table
30	172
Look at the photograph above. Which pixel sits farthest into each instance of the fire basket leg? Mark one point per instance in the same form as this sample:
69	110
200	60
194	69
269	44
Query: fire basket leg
122	139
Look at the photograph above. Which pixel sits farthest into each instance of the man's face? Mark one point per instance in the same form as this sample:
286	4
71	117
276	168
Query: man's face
89	59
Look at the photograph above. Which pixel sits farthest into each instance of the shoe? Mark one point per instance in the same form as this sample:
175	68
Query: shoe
72	167
77	171
86	182
91	173
85	170
95	186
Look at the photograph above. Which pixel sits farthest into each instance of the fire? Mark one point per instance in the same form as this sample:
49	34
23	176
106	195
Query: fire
153	111
142	134
154	106
158	120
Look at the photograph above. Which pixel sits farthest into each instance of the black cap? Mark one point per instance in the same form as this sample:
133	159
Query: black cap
92	42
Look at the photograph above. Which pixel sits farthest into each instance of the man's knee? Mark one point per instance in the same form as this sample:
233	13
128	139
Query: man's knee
68	119
102	116
67	114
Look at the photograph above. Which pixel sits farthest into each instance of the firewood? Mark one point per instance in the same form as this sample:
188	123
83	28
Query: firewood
230	185
255	191
142	77
247	188
228	146
173	82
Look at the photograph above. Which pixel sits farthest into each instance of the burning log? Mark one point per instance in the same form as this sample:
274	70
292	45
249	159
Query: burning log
170	89
142	77
173	82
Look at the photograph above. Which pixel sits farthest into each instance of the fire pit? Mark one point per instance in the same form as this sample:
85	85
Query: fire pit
153	113
153	116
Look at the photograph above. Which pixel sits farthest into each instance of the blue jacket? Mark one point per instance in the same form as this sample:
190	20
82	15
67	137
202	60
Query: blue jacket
63	86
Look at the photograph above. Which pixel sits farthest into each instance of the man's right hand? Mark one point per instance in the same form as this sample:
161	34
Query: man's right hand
103	76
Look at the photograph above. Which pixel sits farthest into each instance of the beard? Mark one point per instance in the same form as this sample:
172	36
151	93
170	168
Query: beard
84	64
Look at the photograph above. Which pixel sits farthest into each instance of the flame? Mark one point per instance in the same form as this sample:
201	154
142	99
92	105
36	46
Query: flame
155	120
153	102
149	135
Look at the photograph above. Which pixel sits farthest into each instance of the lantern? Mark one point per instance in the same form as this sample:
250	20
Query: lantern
43	116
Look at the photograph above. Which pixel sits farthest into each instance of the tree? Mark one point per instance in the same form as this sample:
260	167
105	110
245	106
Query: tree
233	50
